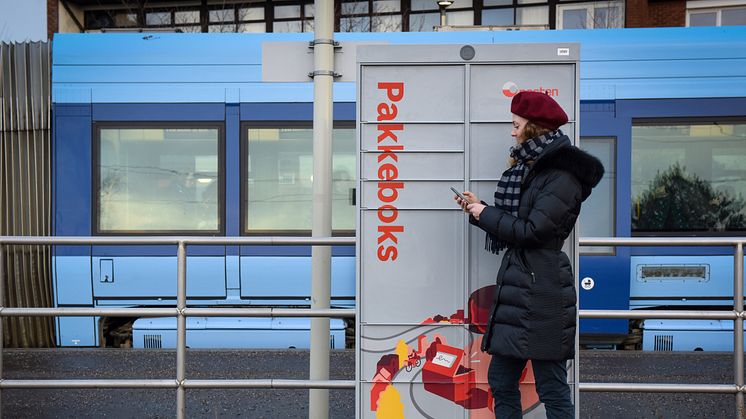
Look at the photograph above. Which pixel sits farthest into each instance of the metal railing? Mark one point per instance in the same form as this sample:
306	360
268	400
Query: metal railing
737	315
181	312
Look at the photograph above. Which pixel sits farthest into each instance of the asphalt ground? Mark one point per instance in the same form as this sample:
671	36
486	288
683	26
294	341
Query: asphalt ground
595	366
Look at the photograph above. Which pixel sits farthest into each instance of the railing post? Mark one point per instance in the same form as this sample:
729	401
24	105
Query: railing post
2	337
180	329
738	328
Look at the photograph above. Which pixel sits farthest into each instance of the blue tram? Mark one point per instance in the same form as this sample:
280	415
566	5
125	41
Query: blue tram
199	134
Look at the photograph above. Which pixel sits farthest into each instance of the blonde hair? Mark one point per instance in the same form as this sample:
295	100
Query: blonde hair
531	130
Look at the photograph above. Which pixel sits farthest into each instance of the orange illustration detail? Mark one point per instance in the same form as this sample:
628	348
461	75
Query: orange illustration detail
458	375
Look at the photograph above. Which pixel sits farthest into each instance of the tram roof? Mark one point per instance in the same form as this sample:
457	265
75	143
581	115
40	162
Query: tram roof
645	63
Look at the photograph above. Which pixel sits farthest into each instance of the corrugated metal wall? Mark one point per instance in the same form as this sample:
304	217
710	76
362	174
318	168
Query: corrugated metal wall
25	187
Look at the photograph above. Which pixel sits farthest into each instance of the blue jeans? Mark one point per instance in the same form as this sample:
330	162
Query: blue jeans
551	384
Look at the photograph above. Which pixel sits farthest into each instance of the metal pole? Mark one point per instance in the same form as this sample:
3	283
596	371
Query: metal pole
442	16
2	305
180	329
658	314
269	312
86	312
738	327
221	241
658	388
323	118
271	383
96	383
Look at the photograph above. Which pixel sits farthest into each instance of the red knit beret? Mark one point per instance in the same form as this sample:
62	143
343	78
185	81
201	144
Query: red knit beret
539	108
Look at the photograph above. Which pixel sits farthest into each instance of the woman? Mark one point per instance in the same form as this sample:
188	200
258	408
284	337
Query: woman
536	204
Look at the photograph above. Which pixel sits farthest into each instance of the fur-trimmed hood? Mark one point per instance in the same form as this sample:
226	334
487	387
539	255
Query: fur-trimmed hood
585	167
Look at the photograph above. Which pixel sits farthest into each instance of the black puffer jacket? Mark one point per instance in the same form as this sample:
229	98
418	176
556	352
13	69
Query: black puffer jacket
535	303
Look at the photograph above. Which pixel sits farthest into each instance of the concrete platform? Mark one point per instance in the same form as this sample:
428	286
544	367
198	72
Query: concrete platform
595	366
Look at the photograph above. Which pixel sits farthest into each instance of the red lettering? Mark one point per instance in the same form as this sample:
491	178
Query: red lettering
388	231
388	192
386	131
389	186
546	90
390	88
388	152
387	253
387	172
387	112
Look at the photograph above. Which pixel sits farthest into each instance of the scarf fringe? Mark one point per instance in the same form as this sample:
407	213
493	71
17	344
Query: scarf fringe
493	244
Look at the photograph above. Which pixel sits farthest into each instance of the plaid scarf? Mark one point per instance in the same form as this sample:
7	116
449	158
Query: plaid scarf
508	193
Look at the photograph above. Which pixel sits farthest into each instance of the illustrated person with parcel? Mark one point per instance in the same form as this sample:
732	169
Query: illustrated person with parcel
536	204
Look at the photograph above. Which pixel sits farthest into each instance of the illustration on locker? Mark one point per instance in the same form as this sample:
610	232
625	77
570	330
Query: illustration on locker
443	372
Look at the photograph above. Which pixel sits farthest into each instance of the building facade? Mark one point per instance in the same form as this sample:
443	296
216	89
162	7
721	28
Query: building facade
387	15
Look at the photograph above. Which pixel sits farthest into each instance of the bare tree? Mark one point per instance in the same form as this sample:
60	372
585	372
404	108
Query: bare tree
609	15
357	17
603	14
181	17
422	22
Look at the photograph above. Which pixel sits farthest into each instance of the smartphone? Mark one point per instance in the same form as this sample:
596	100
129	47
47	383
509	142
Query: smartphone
459	194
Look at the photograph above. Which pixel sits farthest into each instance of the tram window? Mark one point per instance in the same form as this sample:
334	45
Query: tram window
157	179
278	174
597	213
688	177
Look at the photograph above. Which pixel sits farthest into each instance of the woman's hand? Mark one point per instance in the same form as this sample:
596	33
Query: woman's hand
470	199
475	209
471	204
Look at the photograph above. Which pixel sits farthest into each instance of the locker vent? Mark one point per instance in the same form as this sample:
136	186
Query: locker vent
152	341
663	343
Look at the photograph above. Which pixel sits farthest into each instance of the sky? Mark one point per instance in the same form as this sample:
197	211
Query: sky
23	20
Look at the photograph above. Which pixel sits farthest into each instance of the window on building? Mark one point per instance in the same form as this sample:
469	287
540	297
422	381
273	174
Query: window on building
591	15
460	18
158	19
287	18
370	16
689	177
251	19
424	15
158	179
703	18
103	19
521	13
354	16
423	22
715	13
187	21
222	20
366	15
179	19
535	15
498	17
125	20
597	214
278	183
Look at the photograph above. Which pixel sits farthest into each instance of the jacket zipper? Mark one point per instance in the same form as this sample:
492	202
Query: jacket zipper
527	265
